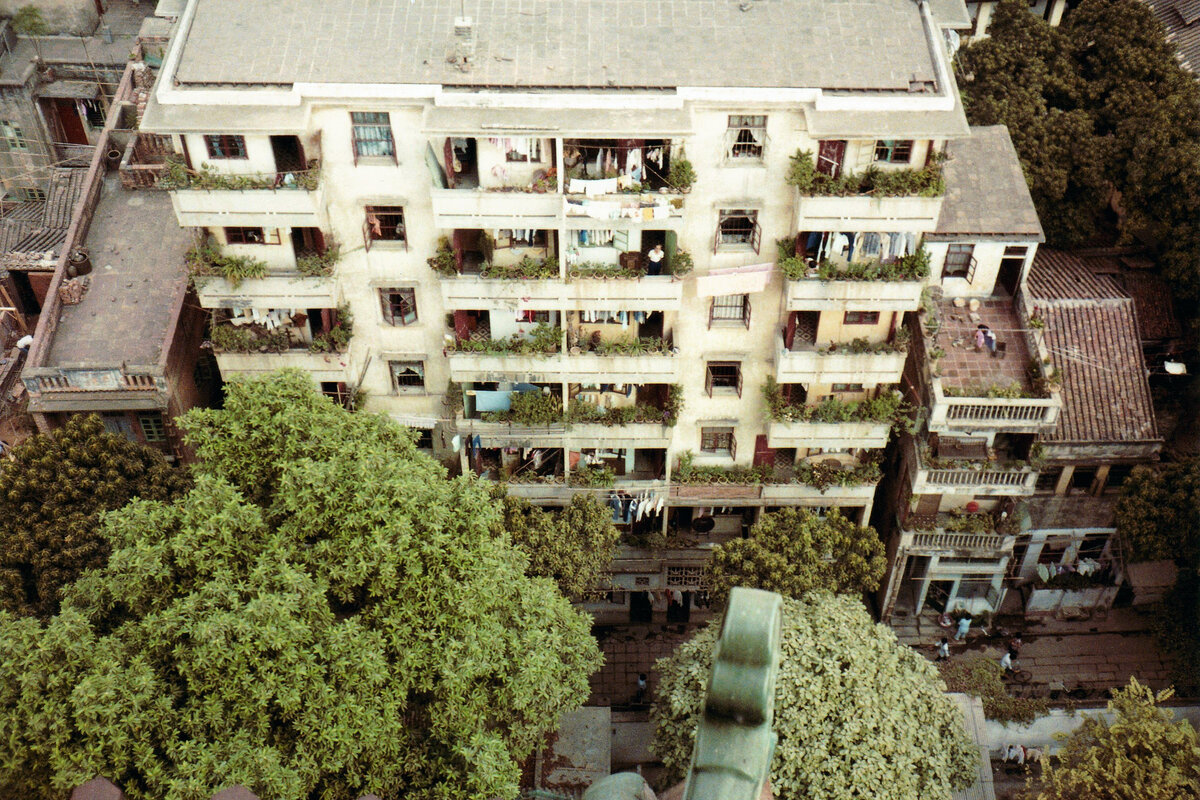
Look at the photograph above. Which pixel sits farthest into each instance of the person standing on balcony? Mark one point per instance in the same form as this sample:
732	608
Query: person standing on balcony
655	257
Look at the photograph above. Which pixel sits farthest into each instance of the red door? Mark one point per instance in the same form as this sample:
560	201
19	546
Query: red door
830	156
763	455
69	123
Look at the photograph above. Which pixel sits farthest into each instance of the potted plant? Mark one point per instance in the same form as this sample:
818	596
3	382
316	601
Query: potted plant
681	176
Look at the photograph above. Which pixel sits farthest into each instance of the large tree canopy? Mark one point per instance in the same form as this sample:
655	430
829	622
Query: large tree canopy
1096	106
1143	754
574	546
857	714
51	497
1156	513
794	551
324	615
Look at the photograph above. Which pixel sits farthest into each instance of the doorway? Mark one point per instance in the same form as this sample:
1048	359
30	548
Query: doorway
63	116
462	163
27	301
308	241
680	612
938	596
640	609
289	154
1008	278
649	240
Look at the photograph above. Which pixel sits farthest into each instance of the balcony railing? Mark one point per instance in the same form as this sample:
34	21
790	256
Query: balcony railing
812	293
957	541
1012	414
280	200
832	435
983	477
841	365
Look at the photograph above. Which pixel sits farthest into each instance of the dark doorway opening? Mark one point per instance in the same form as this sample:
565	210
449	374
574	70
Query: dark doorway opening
640	609
289	154
938	595
680	612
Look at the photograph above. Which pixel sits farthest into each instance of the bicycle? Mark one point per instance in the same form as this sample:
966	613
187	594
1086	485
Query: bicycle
1018	675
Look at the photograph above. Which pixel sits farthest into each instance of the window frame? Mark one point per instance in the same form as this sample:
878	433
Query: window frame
718	440
753	233
360	139
241	236
741	145
963	254
894	151
737	315
535	154
13	136
417	367
378	211
393	310
156	431
721	383
226	146
860	318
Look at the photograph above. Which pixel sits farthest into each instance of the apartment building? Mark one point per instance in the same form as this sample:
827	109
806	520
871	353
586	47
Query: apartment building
668	268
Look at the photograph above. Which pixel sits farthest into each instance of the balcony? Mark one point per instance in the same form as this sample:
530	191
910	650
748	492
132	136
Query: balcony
985	477
630	435
912	214
806	363
560	494
660	367
277	200
276	290
647	293
53	389
814	294
480	208
829	435
326	367
466	292
1009	414
508	434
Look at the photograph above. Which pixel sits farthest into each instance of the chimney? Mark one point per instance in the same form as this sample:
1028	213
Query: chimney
464	39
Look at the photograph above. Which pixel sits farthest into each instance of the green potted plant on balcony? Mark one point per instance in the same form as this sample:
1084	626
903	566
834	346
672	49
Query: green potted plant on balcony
681	176
682	263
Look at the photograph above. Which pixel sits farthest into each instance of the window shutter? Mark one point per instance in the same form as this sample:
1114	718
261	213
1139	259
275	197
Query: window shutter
972	263
739	380
756	236
712	305
385	303
708	380
746	312
366	233
732	445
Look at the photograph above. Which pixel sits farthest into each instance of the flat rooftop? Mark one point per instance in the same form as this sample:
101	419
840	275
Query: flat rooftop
138	275
986	193
964	367
648	44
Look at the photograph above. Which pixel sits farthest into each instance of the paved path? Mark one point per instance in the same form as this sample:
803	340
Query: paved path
628	651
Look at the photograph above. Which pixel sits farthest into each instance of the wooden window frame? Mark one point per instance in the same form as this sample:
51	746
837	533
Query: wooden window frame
13	136
860	318
406	388
960	258
753	233
369	237
714	381
894	151
741	145
358	131
742	317
226	146
718	440
237	234
393	309
154	427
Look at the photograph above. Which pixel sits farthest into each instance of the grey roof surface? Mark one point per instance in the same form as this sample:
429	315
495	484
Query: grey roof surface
986	193
842	44
951	13
1181	18
138	274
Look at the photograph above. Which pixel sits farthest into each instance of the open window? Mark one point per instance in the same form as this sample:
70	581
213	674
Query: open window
723	377
384	224
718	441
960	261
738	229
731	308
893	151
408	377
399	306
746	137
222	146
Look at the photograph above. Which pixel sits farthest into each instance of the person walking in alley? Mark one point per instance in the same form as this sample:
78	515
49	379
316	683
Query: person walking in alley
943	649
964	625
640	697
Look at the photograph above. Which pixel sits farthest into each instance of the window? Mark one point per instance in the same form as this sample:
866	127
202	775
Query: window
424	438
407	376
14	137
730	308
1047	479
746	136
1016	251
719	441
724	377
861	318
399	306
28	194
523	149
737	228
1083	478
959	260
385	224
894	151
153	429
244	236
95	112
372	135
222	146
1117	475
1052	552
846	387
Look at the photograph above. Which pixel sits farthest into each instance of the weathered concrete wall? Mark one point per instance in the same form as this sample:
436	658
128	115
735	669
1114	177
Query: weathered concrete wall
76	17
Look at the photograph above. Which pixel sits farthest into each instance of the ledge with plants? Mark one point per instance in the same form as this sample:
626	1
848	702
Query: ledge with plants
585	413
543	340
227	338
820	476
993	391
980	522
207	260
628	346
885	408
583	476
337	338
529	408
318	265
930	461
528	268
863	346
910	268
924	181
177	176
595	270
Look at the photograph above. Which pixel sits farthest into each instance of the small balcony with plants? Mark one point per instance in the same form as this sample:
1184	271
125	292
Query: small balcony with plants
830	422
485	343
222	279
802	356
204	197
495	268
625	171
621	346
502	413
256	341
1005	467
851	483
984	534
831	197
624	415
963	340
830	270
498	181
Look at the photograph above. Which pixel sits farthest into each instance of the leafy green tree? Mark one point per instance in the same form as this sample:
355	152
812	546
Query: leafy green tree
857	714
324	615
794	551
1156	512
51	497
574	546
1143	754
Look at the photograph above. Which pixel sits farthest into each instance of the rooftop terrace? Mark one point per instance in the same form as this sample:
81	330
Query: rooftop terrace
137	278
966	367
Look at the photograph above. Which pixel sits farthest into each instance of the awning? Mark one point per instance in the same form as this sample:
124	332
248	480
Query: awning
736	280
77	90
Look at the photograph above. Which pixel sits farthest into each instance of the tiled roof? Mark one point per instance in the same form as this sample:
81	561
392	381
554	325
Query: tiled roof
847	44
1095	344
1181	18
986	193
1152	297
35	230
